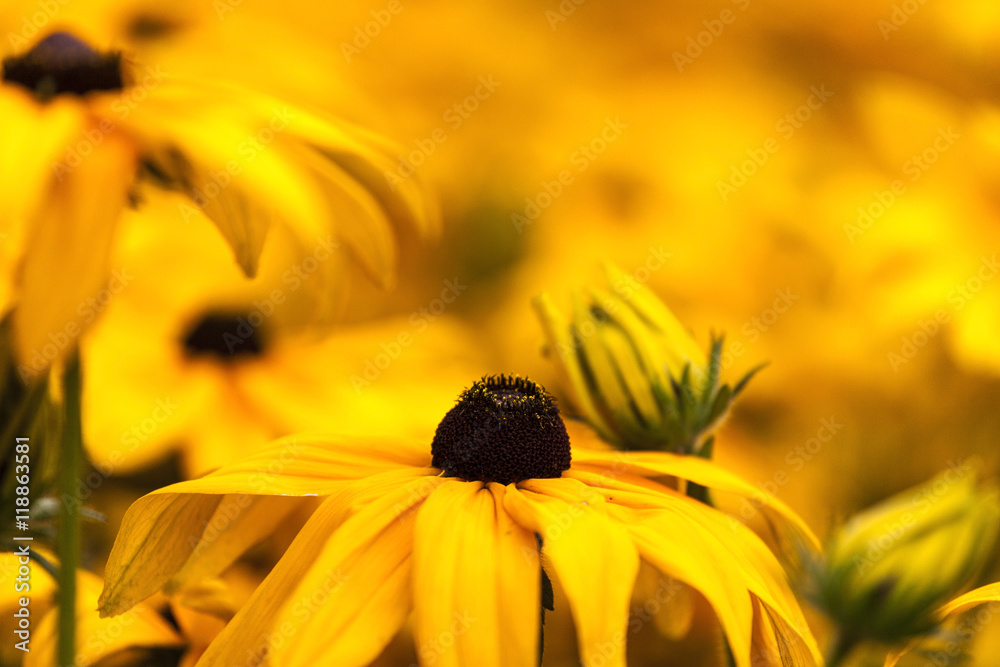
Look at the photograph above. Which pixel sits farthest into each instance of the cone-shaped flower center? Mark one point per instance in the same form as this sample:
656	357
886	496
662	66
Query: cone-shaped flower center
63	64
503	429
224	336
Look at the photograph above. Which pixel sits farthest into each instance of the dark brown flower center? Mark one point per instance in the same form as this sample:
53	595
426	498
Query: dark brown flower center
61	64
225	336
503	429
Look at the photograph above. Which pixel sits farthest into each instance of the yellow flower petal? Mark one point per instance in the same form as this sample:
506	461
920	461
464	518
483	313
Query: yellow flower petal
245	522
350	605
691	468
705	548
153	544
34	136
518	586
360	222
776	644
476	593
228	160
146	555
574	523
67	250
336	531
977	596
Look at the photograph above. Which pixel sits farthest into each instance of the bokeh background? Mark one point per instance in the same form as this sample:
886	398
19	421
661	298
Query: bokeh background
819	182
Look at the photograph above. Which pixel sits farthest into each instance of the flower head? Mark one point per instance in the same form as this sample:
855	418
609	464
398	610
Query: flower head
505	430
632	370
890	567
86	133
395	534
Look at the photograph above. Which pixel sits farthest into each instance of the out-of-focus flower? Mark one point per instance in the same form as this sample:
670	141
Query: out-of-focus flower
632	370
83	130
97	638
459	535
988	594
891	566
190	357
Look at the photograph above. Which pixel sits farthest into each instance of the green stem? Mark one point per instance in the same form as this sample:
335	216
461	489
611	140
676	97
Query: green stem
841	645
68	546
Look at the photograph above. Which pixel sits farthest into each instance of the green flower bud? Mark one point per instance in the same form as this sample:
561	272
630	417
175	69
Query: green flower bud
632	370
890	567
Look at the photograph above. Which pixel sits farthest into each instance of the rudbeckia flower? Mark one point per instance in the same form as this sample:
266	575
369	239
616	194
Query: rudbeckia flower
193	359
459	532
889	568
85	130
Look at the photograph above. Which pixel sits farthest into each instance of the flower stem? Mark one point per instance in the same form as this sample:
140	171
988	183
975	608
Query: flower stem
68	546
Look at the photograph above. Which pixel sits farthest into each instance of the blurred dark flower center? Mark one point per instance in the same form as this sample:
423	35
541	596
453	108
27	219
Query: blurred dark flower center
224	336
63	64
503	429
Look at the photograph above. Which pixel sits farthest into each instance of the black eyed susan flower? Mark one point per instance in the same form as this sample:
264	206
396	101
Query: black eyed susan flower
890	568
632	370
458	534
190	358
86	131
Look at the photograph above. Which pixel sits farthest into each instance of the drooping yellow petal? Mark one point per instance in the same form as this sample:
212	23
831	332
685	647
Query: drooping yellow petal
229	160
67	249
592	556
518	587
680	550
316	563
358	219
153	544
476	584
707	549
348	607
245	521
692	468
370	160
775	644
454	567
161	530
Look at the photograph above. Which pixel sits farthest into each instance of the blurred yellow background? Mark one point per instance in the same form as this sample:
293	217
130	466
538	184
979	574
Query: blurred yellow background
820	182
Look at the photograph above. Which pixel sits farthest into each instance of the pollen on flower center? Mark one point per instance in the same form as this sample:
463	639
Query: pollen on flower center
224	336
503	429
63	64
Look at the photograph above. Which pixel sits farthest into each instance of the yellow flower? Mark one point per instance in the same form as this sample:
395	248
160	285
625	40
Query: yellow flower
892	565
459	535
84	131
633	371
97	638
193	358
